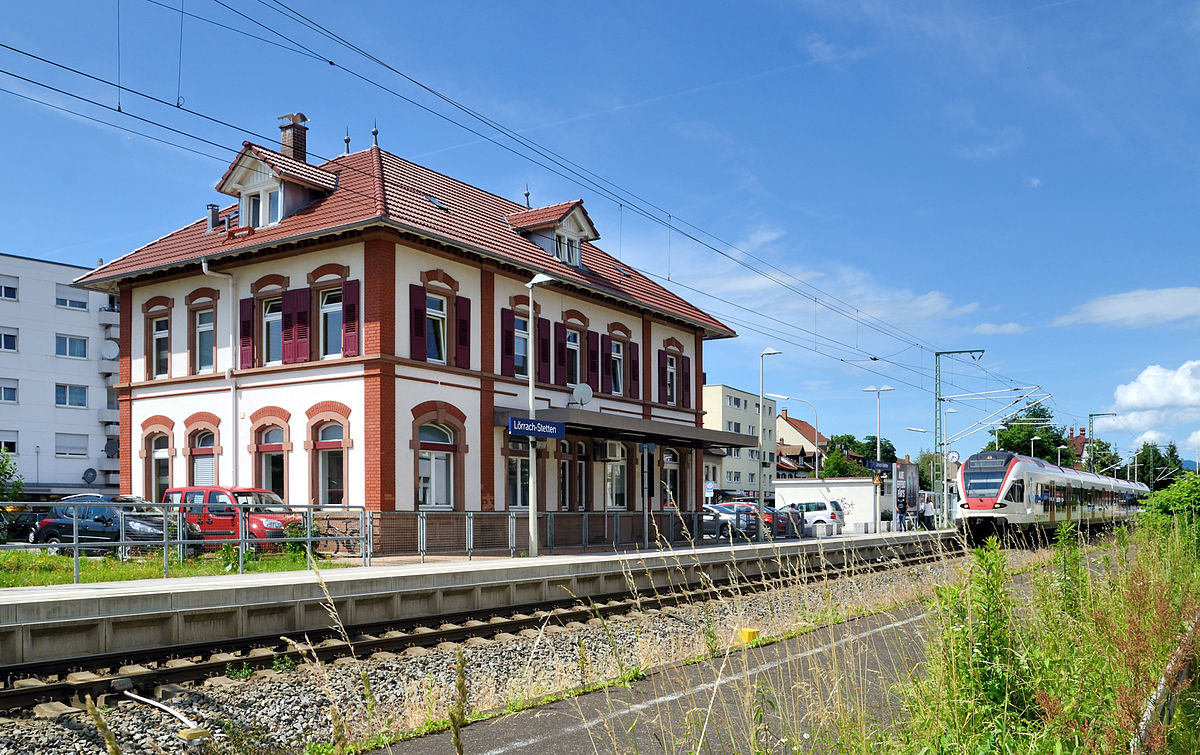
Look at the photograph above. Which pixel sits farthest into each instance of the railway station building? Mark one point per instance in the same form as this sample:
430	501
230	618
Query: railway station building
357	333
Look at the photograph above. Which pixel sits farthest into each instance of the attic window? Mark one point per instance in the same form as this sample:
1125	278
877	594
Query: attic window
261	207
433	201
623	271
566	248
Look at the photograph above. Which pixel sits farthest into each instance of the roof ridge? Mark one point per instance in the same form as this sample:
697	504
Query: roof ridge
380	197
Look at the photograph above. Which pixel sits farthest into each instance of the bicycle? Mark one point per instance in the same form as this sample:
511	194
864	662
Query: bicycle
341	537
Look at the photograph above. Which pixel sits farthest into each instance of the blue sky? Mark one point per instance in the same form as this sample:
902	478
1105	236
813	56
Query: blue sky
1019	178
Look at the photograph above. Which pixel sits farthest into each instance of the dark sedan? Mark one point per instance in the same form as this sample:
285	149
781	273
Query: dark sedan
102	523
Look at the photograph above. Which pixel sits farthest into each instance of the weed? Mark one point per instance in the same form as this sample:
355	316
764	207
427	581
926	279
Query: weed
283	664
233	672
458	711
110	741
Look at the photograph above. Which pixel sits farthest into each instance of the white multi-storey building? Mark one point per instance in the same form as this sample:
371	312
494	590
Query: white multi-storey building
58	368
736	474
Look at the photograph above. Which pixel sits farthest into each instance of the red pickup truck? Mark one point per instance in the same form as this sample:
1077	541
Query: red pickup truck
212	508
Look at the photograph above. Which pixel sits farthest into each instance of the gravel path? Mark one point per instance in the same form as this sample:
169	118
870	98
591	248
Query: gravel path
280	712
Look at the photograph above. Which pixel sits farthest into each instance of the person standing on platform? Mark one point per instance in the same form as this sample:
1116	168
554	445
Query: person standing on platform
927	513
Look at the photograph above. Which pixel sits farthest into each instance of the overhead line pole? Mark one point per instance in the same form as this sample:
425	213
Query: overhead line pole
939	450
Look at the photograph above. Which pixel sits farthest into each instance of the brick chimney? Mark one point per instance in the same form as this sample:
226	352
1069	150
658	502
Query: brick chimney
293	141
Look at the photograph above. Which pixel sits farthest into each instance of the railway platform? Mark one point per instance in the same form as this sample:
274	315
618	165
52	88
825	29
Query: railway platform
55	623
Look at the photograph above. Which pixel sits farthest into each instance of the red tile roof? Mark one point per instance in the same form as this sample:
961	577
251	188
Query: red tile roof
549	215
806	430
284	167
378	188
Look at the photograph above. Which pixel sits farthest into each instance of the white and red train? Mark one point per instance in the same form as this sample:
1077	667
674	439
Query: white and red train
1001	492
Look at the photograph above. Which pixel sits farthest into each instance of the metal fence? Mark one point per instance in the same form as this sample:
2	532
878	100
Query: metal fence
124	530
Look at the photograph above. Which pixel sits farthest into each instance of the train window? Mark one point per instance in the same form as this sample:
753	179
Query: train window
1016	491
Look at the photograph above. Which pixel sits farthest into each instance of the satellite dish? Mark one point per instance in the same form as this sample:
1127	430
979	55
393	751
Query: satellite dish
109	349
89	475
581	394
111	448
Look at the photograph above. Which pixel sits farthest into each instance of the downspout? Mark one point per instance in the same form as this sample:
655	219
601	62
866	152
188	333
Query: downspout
229	374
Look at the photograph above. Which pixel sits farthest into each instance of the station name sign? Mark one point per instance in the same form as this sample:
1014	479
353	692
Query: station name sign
536	428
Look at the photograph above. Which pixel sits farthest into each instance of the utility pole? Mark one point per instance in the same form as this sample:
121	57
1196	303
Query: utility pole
939	464
1092	438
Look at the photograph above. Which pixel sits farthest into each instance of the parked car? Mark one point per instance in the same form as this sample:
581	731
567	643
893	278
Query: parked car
23	521
102	522
737	519
214	509
820	512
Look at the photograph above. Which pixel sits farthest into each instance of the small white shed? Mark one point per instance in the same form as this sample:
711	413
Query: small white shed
854	493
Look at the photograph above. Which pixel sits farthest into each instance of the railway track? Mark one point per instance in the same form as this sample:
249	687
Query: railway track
70	681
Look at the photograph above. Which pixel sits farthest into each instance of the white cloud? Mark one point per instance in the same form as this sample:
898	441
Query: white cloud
1033	182
1005	329
1135	309
822	51
1192	441
1161	388
1006	140
1150	436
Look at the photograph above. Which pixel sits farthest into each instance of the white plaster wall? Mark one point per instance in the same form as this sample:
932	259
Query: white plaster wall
855	493
461	392
410	263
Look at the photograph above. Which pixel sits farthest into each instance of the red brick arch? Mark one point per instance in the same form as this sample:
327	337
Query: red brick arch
270	411
273	279
158	302
577	316
200	294
439	276
438	409
160	420
202	418
328	269
323	407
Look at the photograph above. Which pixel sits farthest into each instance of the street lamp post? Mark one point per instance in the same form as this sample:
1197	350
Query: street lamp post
1031	440
998	428
762	408
816	427
530	365
878	447
1060	450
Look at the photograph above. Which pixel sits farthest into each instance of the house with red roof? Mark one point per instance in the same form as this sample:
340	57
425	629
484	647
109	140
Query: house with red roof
357	333
793	431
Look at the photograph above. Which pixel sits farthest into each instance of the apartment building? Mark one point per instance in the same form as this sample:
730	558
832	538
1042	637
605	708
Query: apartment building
58	370
359	332
736	473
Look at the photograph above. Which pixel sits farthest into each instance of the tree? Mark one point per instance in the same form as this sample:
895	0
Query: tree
924	460
11	482
887	450
847	442
837	465
1038	421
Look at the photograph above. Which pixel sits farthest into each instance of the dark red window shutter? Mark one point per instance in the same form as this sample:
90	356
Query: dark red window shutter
606	364
462	332
593	360
560	353
662	376
295	325
635	371
416	307
246	342
350	326
685	382
543	350
508	344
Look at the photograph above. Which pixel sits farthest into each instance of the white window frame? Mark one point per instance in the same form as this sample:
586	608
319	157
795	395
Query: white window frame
617	368
436	322
9	441
205	328
328	310
71	453
10	288
10	386
7	335
268	318
521	336
70	389
672	367
67	341
66	302
566	249
573	351
160	341
261	196
617	471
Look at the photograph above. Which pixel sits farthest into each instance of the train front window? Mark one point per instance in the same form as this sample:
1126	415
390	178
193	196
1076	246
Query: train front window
982	484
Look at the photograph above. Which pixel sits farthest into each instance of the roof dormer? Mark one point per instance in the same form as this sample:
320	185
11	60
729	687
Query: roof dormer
271	185
559	229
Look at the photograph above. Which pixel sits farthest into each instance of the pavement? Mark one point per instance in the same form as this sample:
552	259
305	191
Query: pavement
712	706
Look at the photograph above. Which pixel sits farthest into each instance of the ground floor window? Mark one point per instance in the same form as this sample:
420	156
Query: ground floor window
435	467
330	465
670	477
160	466
270	460
203	462
517	476
616	473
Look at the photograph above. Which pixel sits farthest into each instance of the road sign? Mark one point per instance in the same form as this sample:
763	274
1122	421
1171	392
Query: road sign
709	488
536	428
878	466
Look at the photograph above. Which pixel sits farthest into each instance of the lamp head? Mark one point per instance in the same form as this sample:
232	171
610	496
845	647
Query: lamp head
778	396
769	351
538	280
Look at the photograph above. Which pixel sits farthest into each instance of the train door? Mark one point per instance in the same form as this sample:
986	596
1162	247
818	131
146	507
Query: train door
1052	500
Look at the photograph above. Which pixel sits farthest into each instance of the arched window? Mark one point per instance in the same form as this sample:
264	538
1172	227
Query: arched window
670	477
330	464
564	475
270	460
616	475
435	467
159	462
202	465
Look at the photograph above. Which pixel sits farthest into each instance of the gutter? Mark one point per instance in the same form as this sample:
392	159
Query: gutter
229	373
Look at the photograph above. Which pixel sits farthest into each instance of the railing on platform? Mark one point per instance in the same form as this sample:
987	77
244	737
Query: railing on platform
125	529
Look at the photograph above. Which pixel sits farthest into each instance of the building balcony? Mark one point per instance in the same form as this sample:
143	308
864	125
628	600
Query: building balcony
112	430
108	366
109	415
105	464
109	317
111	380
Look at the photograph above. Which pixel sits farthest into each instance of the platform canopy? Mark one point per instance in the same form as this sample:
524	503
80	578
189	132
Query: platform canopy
633	429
